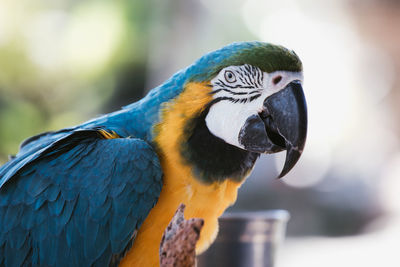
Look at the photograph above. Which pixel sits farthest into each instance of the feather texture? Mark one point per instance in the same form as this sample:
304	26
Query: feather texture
78	196
79	202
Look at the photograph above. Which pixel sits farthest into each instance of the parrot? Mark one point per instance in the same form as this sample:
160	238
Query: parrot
102	193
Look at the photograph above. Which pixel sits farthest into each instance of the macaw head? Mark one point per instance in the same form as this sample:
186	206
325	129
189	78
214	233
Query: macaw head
254	103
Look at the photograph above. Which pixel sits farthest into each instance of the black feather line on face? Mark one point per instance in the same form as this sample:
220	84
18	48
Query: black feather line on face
237	100
213	159
250	78
222	84
241	78
234	93
254	97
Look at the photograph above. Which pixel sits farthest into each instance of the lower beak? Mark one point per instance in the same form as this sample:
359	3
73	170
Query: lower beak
282	125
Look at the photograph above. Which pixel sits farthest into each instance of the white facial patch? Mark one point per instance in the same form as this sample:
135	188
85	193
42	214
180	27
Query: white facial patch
241	91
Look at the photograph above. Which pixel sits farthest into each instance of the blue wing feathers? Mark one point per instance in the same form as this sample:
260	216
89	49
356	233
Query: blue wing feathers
19	235
55	207
77	201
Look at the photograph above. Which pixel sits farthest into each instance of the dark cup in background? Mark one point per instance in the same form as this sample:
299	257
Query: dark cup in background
247	239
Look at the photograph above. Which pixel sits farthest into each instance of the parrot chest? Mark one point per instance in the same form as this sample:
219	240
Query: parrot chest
202	201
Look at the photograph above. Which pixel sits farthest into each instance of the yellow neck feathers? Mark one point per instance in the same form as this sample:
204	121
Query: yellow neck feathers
207	201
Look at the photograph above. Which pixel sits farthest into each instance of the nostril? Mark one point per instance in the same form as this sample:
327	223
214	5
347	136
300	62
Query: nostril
277	79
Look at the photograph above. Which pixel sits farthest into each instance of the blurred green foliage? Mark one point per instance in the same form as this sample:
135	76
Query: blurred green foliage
62	62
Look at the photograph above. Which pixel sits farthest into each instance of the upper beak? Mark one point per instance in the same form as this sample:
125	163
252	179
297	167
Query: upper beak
282	125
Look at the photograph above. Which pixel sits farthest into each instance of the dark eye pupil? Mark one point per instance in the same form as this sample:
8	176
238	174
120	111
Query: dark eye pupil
230	77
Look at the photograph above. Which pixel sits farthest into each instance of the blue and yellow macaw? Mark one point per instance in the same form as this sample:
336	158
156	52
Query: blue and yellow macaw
102	193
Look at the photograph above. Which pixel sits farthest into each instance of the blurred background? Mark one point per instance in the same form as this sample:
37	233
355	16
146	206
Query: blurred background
65	61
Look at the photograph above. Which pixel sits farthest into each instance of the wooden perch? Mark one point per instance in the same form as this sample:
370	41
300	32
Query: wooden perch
178	244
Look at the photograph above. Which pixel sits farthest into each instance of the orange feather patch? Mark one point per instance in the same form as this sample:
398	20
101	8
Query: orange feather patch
108	135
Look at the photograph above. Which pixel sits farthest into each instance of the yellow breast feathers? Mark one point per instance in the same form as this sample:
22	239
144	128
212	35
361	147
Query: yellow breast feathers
207	201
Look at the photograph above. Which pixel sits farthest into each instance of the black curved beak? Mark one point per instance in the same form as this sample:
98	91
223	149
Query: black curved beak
282	125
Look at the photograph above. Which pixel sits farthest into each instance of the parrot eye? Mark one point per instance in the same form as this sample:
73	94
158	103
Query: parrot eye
230	76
